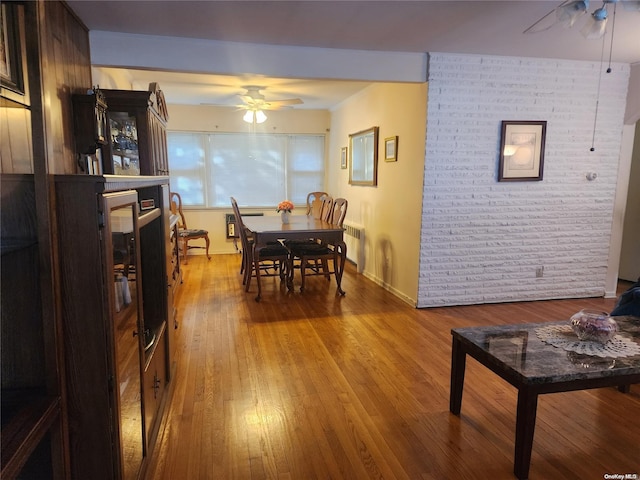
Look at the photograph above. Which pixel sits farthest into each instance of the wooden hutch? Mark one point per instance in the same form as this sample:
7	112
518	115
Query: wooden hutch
88	267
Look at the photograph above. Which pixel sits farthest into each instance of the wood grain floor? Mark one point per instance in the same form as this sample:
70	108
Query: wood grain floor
313	385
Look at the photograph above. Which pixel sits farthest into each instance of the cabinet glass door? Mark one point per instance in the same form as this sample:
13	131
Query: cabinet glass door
126	323
124	144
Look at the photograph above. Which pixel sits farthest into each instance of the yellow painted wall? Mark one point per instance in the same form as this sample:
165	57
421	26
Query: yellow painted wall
390	212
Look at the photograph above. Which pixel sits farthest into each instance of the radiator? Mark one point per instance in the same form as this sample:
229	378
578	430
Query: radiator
354	238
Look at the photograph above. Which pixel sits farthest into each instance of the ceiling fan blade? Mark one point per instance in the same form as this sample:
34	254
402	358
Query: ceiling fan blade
546	22
256	100
566	13
569	12
596	26
282	103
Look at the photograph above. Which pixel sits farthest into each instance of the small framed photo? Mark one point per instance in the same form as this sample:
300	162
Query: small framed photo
522	151
391	149
343	157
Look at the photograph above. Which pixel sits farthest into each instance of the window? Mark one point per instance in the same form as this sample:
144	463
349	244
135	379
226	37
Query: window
259	170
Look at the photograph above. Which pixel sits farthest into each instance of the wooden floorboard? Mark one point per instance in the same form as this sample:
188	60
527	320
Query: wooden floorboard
317	386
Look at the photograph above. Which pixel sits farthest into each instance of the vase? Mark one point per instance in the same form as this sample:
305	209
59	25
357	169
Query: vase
594	325
285	217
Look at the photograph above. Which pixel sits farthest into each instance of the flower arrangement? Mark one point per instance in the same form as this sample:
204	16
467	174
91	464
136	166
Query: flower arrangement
285	206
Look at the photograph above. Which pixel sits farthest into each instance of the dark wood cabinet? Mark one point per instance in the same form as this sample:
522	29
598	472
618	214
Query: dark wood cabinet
136	131
32	415
115	310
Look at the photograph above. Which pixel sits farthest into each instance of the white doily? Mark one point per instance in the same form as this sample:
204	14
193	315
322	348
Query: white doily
562	336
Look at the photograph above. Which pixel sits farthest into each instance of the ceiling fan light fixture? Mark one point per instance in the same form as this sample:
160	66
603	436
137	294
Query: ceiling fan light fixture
569	12
254	116
260	116
248	116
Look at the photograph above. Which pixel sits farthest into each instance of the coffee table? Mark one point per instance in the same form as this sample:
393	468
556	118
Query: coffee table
534	367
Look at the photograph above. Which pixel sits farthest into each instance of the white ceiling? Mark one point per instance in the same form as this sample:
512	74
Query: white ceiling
475	27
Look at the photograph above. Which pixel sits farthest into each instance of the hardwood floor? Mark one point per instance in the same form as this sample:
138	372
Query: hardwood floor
313	385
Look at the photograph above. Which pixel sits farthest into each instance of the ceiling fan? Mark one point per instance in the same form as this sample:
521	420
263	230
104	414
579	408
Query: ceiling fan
567	14
254	100
569	11
254	103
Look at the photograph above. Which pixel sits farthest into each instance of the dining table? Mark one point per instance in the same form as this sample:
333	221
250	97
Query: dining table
267	229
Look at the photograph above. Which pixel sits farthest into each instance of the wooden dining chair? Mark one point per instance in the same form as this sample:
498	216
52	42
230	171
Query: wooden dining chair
312	258
339	211
185	234
273	258
314	203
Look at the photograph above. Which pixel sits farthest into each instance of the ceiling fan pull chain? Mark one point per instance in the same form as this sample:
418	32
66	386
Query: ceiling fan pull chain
595	117
613	28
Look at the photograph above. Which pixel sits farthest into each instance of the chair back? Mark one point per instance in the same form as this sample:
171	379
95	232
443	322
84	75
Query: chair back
314	203
339	211
242	232
175	206
327	208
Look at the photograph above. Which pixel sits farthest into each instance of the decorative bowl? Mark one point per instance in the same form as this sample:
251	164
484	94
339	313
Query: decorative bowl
594	326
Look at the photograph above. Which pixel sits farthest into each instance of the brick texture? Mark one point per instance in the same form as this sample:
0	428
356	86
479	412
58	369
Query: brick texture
482	240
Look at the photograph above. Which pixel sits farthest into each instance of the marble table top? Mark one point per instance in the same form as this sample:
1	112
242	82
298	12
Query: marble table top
518	353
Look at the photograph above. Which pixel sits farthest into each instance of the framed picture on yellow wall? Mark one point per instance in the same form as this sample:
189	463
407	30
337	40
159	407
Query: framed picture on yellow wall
343	157
391	149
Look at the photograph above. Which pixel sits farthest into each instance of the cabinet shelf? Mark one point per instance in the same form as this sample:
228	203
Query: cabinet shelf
11	245
27	416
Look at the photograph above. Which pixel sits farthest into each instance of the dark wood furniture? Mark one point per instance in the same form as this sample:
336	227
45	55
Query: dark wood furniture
32	415
137	138
270	260
35	140
312	257
116	310
535	368
300	227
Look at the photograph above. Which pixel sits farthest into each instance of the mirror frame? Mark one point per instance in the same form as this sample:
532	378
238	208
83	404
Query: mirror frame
363	157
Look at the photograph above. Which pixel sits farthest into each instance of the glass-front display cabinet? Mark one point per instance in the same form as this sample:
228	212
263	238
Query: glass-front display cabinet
137	139
114	297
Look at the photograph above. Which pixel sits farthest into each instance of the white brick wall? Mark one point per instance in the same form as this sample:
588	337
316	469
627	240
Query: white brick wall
482	240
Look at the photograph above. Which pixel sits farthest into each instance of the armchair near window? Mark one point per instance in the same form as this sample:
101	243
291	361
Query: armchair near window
186	234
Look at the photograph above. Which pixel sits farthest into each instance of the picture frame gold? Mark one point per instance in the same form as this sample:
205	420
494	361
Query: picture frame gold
343	157
391	149
522	151
363	157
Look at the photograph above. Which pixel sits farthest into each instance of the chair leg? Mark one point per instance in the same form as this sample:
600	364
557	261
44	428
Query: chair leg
257	267
206	239
185	248
303	265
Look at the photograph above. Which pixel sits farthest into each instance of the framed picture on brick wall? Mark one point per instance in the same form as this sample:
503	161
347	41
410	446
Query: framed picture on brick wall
522	151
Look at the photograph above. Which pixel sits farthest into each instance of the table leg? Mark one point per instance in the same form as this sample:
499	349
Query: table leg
341	251
525	426
458	363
